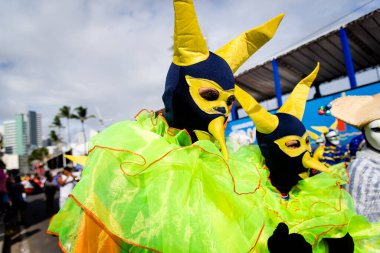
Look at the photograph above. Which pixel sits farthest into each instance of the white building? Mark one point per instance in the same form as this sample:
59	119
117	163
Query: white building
10	136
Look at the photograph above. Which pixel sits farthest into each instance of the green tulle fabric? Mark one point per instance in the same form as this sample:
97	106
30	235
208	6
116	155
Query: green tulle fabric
317	208
154	190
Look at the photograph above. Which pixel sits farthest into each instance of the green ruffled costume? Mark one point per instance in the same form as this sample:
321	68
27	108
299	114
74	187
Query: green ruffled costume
146	188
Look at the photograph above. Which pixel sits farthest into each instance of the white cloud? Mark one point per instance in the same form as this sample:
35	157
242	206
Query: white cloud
115	54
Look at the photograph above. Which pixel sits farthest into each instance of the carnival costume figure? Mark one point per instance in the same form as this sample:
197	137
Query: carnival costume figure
162	183
331	152
316	211
363	113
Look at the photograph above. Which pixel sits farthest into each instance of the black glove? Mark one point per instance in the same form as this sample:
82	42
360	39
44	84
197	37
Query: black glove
281	241
341	245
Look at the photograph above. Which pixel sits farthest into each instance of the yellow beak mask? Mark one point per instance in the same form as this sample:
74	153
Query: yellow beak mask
282	137
200	84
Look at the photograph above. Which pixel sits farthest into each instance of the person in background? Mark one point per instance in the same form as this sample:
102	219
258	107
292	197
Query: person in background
363	113
67	182
4	202
50	188
332	152
37	184
19	204
356	144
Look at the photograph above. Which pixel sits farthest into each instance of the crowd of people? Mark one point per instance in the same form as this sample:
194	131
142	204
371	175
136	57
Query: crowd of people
15	188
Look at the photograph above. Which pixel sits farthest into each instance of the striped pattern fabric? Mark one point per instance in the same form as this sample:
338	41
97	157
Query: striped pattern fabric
334	155
364	183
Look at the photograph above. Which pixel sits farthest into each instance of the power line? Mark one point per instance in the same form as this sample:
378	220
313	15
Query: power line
322	28
353	11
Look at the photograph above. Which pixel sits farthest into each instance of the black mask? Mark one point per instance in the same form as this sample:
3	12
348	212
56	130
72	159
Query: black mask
282	137
180	109
283	169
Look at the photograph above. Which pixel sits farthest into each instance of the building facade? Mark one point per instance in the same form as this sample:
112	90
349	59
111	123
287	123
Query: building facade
23	134
34	130
10	137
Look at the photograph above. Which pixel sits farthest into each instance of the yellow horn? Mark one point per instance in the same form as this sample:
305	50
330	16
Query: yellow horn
321	129
264	121
313	135
295	104
77	159
237	51
334	125
189	45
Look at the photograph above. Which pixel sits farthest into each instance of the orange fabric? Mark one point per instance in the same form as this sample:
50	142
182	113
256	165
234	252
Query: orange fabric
341	126
90	231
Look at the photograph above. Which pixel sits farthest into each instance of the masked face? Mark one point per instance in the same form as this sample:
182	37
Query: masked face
333	137
287	152
282	137
196	95
372	134
199	97
320	141
294	145
210	97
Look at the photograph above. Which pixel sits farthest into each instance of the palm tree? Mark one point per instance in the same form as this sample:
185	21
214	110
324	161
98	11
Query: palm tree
57	140
57	124
64	112
54	137
82	116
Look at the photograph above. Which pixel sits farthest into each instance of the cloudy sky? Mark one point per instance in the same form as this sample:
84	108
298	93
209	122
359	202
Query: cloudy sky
114	54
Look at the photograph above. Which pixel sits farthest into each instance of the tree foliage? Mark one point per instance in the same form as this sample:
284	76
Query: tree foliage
54	137
38	154
82	117
65	112
57	123
81	114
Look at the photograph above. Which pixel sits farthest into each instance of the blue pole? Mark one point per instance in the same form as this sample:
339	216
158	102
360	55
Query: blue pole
277	85
233	112
347	57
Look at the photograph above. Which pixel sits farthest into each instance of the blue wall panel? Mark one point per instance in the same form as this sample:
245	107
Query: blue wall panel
311	117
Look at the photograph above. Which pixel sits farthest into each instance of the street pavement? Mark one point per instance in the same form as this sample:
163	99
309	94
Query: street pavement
32	237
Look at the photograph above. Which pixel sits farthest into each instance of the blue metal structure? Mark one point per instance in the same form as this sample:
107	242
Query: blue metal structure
347	57
234	112
336	54
341	53
277	85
